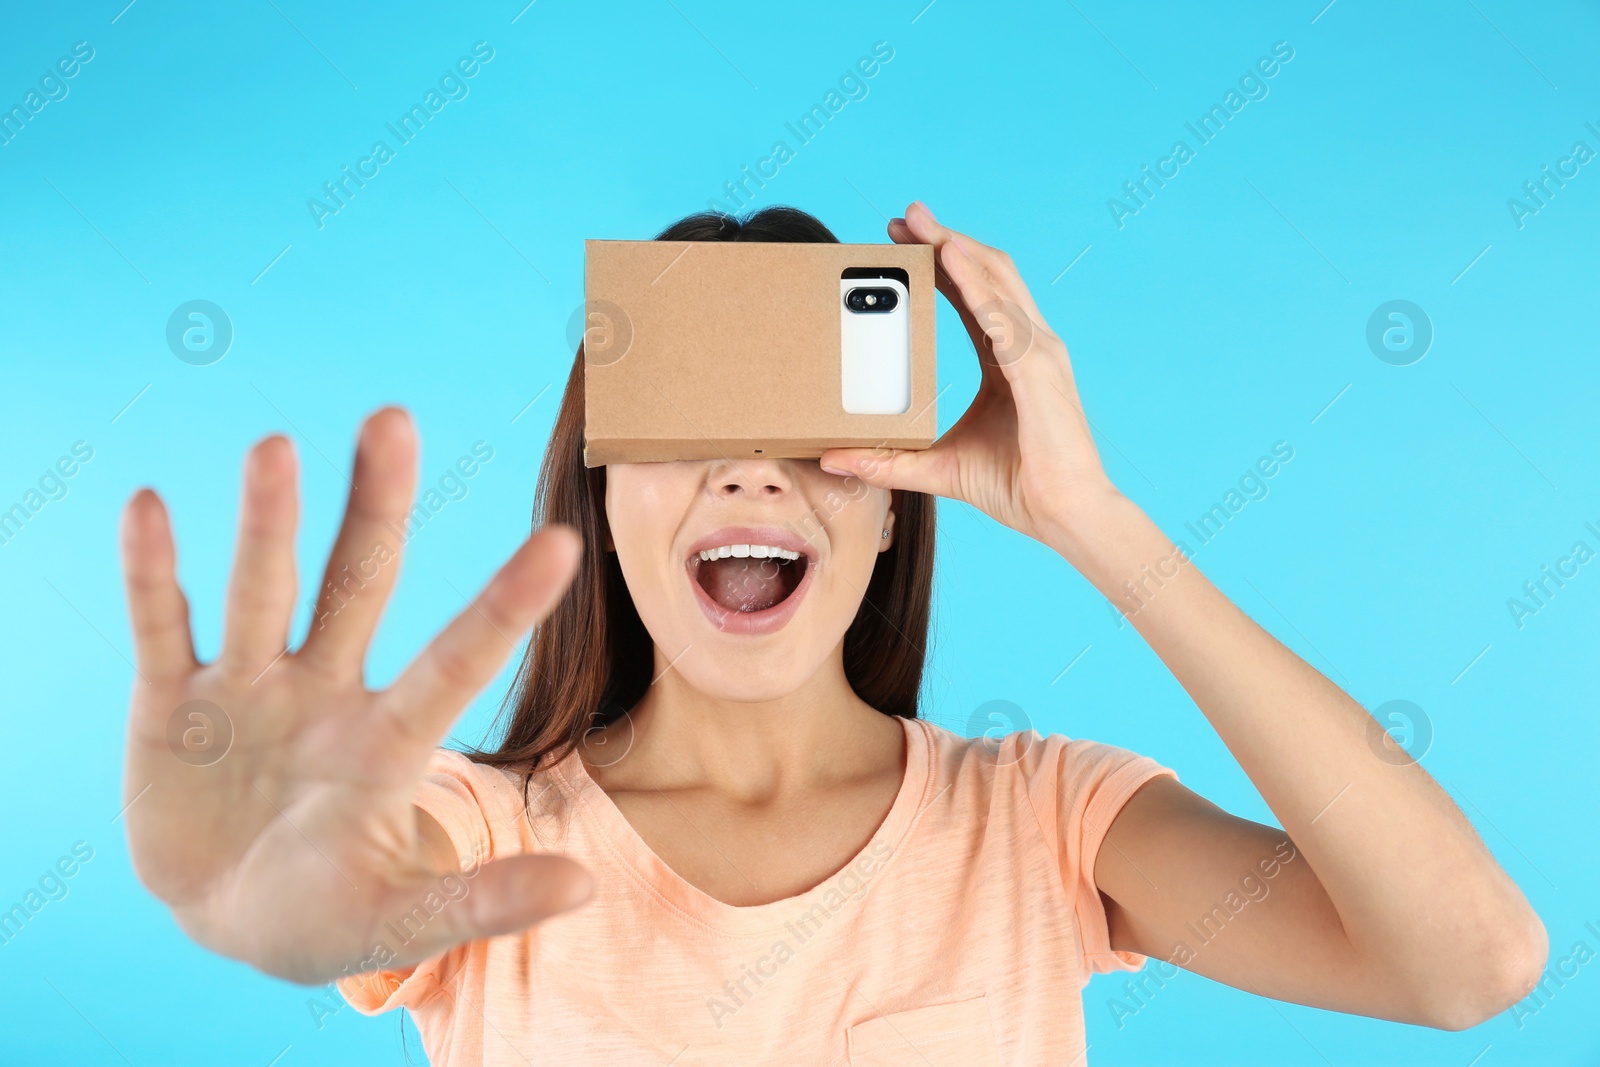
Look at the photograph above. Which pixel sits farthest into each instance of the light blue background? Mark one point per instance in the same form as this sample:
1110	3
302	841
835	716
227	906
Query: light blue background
1225	316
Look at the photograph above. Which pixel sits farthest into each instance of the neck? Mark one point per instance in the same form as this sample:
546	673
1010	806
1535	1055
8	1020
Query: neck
680	737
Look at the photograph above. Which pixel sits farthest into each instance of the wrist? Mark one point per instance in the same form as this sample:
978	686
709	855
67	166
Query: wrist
1099	516
1117	547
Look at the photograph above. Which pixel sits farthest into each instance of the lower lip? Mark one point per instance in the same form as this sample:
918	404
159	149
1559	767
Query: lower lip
752	622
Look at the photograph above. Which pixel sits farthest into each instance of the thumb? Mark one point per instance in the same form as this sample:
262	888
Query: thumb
887	468
424	918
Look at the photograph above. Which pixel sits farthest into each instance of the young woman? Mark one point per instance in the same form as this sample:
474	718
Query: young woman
715	830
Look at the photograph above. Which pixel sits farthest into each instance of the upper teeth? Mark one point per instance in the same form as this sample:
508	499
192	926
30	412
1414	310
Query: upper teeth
756	551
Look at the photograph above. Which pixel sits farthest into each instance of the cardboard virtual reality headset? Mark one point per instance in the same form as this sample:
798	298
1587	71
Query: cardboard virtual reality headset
723	349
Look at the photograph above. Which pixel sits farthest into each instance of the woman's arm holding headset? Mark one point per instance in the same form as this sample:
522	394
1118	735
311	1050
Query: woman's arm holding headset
1381	900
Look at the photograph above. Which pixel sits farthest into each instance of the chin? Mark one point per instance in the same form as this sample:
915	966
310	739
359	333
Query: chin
745	679
747	668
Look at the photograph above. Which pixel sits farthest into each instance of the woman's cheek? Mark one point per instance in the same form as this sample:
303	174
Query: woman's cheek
849	574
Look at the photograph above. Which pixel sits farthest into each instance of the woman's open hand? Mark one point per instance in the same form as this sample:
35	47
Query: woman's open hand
1022	453
269	793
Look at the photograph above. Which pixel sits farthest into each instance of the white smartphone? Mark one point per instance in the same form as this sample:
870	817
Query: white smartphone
874	341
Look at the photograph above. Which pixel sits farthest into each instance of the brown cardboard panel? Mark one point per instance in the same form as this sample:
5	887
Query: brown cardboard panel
709	349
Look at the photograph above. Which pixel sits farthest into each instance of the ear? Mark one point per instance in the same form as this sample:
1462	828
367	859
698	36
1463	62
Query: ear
886	539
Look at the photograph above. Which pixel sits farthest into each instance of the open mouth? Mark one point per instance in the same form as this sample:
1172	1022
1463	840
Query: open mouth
751	579
748	578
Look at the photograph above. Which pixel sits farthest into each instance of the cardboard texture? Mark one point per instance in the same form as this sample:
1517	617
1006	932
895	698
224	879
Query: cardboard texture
709	349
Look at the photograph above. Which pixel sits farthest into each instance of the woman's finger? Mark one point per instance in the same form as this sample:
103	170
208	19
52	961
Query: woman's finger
429	695
365	561
1001	331
919	471
1000	328
901	233
261	589
1008	283
158	612
499	897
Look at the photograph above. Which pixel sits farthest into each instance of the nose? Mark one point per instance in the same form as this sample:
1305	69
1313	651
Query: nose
755	479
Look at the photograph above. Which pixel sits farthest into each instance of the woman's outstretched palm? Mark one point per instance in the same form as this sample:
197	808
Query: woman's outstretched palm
270	792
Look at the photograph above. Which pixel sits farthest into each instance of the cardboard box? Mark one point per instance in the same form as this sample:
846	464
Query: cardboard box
710	349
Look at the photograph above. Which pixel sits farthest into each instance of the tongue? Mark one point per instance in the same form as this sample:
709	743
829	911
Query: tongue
745	584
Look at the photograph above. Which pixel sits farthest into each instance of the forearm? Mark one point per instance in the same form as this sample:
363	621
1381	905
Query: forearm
1412	883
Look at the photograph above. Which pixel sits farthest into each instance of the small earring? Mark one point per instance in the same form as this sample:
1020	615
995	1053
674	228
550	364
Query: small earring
886	533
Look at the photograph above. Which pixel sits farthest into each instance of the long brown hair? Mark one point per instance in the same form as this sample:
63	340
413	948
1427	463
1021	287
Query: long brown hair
591	660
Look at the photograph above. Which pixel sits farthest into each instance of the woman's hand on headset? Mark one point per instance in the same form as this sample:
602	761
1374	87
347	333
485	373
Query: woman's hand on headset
1022	453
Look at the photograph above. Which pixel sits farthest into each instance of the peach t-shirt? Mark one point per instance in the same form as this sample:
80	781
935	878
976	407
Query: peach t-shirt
962	933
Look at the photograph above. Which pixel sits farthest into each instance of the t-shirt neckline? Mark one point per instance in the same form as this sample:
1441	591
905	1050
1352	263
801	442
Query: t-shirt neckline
677	894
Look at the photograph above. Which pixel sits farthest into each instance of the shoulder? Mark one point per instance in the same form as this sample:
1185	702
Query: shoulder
1026	755
488	785
491	811
1062	780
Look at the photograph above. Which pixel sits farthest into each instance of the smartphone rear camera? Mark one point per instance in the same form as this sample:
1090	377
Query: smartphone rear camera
868	300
